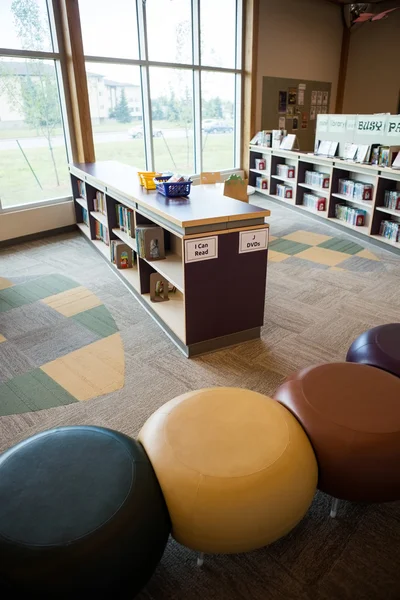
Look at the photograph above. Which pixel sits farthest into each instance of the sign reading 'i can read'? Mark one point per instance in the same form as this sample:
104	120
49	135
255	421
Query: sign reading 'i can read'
203	248
252	241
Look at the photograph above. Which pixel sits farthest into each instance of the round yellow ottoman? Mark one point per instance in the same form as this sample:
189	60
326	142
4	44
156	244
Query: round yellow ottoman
236	468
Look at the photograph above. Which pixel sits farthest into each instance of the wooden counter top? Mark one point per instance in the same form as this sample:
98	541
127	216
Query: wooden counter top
203	206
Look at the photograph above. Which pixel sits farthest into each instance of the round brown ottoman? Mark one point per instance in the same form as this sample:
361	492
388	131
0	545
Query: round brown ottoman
378	347
351	414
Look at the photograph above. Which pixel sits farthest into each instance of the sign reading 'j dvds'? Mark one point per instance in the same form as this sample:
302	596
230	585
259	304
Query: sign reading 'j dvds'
252	241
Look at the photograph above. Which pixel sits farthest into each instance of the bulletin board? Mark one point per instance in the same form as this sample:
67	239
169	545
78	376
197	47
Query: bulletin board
294	104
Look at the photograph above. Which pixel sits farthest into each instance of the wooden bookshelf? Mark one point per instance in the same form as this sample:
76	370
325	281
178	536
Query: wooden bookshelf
201	314
382	179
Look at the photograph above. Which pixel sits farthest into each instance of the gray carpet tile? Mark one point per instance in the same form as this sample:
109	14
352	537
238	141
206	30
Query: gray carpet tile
357	263
13	362
47	344
27	319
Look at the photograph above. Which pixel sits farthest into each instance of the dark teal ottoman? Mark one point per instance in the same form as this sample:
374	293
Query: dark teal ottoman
81	515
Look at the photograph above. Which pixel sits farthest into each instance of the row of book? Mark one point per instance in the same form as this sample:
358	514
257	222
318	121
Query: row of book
283	170
318	179
121	255
81	188
392	199
125	219
102	233
356	189
284	191
150	242
99	203
314	202
85	216
354	216
390	230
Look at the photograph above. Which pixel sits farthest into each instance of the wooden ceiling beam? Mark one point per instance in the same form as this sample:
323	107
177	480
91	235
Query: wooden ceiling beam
68	25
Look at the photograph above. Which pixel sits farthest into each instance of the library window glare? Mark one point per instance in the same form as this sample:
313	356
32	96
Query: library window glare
170	22
33	158
112	33
172	117
218	112
218	38
115	99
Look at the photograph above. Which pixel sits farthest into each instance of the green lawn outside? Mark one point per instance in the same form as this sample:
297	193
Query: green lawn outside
18	184
110	126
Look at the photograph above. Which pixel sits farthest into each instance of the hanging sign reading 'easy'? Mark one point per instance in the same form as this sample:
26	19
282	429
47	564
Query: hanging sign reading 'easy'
252	241
201	249
371	124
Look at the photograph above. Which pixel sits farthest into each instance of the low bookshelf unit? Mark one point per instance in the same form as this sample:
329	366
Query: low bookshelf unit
362	198
215	248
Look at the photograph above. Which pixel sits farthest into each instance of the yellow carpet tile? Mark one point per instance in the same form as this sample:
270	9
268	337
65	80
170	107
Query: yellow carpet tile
2	338
91	371
307	237
323	256
73	301
274	256
4	283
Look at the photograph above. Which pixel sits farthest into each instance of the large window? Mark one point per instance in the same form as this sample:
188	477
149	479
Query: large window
33	161
164	82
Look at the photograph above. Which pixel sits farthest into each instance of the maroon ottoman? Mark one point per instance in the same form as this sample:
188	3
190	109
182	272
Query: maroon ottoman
378	347
351	414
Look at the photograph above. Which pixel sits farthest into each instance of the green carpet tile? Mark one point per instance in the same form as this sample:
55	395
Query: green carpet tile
30	392
31	291
98	320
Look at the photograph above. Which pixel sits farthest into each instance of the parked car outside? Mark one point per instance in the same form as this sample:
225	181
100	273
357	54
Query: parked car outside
137	132
215	126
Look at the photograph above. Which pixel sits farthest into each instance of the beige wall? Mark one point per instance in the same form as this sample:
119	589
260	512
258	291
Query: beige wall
26	222
373	73
299	39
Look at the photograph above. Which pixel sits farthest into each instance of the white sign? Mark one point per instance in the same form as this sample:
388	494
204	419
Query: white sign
393	126
201	249
252	241
371	124
337	124
351	124
322	123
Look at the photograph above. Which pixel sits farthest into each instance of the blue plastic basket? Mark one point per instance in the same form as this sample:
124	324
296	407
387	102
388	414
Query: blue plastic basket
173	189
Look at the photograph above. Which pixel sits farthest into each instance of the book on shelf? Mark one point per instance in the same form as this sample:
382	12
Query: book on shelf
356	189
102	233
81	188
353	216
85	217
318	179
122	255
150	242
392	199
99	203
390	230
125	219
314	202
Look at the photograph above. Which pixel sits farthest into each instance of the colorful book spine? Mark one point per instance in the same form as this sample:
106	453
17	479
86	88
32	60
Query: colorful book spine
318	179
99	203
314	202
390	230
102	233
353	216
125	219
81	188
85	216
392	199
